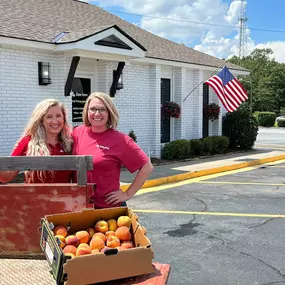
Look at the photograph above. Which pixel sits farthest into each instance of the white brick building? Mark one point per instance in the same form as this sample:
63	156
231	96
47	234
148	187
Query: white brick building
150	62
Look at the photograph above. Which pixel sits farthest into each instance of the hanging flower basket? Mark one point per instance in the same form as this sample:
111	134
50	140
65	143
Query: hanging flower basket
170	110
211	111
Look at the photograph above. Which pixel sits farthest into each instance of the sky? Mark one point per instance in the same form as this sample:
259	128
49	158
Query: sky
210	26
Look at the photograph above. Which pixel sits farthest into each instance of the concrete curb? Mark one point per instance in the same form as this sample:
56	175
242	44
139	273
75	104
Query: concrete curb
189	175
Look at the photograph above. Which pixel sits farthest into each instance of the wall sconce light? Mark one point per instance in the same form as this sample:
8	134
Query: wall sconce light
44	73
120	84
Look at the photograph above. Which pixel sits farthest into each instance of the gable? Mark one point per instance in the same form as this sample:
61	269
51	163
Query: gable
107	40
112	41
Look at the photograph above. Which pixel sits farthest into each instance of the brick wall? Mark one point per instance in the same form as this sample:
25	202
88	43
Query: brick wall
20	91
138	103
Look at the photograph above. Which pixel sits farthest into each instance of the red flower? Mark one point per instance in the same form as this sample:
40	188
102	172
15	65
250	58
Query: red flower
211	111
170	109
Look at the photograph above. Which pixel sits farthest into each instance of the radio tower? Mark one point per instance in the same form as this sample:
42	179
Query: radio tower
242	28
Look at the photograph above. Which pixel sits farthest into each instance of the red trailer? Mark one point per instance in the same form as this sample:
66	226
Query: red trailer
23	205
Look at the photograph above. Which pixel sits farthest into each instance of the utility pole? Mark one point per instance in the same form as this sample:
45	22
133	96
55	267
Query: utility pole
242	28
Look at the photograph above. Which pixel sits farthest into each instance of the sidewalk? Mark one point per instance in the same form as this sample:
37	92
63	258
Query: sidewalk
178	171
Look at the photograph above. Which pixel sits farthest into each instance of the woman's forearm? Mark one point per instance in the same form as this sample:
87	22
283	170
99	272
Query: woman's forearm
6	176
140	178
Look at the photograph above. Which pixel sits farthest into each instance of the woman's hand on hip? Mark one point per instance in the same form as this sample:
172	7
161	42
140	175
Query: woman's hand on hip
116	197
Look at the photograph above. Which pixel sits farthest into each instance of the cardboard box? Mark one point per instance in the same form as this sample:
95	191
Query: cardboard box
100	267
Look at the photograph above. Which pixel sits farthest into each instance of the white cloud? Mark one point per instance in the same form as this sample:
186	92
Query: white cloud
277	47
222	42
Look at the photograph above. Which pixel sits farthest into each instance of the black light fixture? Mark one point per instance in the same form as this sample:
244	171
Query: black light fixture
44	73
120	84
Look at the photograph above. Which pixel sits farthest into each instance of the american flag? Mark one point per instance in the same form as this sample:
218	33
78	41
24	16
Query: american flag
229	90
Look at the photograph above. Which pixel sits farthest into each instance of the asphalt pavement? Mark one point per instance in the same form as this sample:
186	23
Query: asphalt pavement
216	220
188	169
222	229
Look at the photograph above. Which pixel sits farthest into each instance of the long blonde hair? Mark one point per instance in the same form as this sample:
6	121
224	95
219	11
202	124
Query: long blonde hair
112	110
38	143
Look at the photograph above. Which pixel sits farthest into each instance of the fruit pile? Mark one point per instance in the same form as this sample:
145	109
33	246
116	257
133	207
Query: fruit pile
104	235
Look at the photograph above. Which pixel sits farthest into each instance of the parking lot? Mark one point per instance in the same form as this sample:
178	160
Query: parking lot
220	229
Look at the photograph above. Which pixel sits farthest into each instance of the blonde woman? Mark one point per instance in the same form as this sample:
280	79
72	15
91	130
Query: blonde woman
110	149
47	133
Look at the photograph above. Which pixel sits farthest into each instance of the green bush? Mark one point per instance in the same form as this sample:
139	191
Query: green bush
282	111
215	144
179	149
207	145
266	119
281	122
196	146
220	144
241	128
255	115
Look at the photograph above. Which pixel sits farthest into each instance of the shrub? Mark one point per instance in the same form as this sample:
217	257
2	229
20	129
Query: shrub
132	135
215	144
196	146
241	128
255	115
219	144
179	149
266	119
207	145
281	123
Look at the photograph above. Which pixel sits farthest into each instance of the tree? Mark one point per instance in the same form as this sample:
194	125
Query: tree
266	81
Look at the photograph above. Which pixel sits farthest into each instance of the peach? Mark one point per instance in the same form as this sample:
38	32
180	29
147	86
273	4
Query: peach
95	250
120	248
83	245
72	240
109	234
83	250
124	221
60	230
113	242
101	236
62	240
127	244
101	226
69	249
96	242
91	232
112	224
69	254
123	233
105	248
83	236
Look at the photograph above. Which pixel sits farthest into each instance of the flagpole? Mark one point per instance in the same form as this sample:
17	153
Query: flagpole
207	77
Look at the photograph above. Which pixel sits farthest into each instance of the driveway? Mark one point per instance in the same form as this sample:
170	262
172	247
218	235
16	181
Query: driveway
271	136
223	229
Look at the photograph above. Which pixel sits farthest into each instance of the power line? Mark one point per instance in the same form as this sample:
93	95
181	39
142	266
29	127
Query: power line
196	23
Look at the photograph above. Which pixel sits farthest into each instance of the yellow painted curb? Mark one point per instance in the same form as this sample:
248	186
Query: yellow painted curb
195	174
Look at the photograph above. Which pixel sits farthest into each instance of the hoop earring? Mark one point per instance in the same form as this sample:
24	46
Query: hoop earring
109	124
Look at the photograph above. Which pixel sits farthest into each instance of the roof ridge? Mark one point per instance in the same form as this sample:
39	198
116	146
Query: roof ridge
71	16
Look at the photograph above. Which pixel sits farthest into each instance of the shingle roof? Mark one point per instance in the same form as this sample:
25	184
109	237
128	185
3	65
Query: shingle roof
43	20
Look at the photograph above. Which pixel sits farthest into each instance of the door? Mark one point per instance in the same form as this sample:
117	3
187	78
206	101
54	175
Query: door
81	89
165	122
205	102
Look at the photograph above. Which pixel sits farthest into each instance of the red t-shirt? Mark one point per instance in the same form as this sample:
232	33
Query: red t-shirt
58	176
110	149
